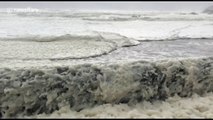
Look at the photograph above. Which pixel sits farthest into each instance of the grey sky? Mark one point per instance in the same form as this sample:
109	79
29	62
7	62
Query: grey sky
119	5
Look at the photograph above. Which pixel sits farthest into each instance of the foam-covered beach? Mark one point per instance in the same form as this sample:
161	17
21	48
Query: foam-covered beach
72	64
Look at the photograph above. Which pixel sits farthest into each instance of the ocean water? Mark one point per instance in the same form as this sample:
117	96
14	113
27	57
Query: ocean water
81	63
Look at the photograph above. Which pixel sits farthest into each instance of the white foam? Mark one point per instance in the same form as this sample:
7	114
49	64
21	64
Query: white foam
141	26
27	34
174	107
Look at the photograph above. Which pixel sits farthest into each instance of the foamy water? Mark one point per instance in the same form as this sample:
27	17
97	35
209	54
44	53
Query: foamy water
68	64
174	107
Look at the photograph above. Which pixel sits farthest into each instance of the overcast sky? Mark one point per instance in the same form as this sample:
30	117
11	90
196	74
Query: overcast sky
119	5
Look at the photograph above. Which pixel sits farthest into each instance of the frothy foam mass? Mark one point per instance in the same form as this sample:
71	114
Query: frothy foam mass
84	86
101	64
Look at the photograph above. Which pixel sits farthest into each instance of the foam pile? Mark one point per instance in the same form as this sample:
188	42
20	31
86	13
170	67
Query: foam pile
28	92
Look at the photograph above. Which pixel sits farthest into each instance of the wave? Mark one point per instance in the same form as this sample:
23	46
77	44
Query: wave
52	38
68	46
108	16
37	91
148	18
92	35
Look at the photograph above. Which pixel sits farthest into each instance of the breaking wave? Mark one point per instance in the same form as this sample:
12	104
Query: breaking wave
67	37
107	15
64	46
94	36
